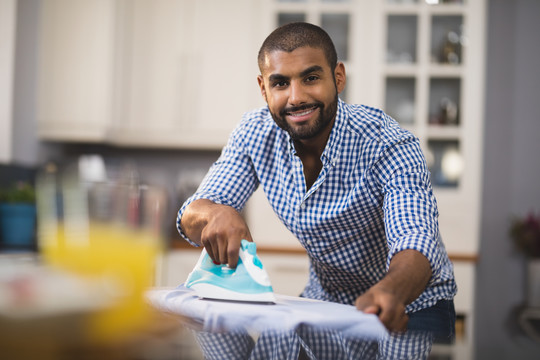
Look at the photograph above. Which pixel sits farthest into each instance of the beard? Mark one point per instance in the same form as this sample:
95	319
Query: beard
326	115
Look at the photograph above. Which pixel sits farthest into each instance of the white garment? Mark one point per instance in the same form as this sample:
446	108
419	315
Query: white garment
287	314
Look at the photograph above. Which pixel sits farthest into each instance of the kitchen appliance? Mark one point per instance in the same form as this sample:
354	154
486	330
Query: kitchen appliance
247	282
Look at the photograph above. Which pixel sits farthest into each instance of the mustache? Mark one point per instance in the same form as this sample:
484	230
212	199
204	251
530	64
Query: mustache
291	109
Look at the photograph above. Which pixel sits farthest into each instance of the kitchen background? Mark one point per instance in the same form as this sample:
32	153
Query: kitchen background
509	168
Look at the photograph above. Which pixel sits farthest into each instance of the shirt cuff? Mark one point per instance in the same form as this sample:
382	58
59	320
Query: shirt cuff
425	245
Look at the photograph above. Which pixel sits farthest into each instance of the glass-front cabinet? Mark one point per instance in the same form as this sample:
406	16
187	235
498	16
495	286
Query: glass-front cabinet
426	51
422	62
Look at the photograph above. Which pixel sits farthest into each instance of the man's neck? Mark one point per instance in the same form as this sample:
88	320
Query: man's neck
309	151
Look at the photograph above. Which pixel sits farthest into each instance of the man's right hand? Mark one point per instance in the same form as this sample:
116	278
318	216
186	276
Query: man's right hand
219	228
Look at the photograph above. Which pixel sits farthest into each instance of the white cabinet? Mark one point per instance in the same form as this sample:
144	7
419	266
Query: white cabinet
76	69
175	266
464	302
186	72
162	73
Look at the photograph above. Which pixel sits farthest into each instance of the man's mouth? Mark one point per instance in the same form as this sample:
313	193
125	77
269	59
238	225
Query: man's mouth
301	112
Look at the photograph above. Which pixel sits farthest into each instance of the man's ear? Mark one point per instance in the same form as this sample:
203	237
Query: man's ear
340	76
260	80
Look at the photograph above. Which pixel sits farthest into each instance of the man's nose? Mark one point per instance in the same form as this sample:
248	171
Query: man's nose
297	95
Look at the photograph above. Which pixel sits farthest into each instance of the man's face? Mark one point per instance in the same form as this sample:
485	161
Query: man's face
301	91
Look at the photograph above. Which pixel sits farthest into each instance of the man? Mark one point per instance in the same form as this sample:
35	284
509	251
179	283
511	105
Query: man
346	180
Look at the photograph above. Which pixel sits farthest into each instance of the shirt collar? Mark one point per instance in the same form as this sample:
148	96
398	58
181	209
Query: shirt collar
331	151
330	154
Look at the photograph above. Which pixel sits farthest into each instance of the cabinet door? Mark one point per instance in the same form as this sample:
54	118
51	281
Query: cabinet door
75	77
165	73
152	71
187	72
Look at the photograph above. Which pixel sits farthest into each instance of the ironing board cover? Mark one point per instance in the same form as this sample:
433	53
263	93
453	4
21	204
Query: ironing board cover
286	314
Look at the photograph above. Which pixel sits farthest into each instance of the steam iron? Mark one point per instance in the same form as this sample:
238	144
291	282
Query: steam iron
248	282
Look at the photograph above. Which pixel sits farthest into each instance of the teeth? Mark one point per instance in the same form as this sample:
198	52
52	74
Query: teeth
302	113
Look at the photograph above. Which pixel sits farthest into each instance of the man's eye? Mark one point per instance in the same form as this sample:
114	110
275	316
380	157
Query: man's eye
312	78
279	84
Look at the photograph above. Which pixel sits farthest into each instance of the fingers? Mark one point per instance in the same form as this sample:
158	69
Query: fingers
221	250
372	309
394	319
222	233
390	312
208	246
223	258
366	305
216	248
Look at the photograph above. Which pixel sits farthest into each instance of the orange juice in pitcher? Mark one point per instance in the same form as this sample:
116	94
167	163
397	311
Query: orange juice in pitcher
108	233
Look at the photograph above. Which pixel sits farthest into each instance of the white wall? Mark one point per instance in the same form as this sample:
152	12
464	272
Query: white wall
511	174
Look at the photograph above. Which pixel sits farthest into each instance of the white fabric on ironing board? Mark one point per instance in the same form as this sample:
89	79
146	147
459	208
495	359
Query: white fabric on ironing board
288	313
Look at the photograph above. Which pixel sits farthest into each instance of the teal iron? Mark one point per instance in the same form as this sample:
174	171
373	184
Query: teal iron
247	282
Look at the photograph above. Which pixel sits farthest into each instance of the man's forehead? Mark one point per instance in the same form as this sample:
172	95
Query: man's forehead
302	57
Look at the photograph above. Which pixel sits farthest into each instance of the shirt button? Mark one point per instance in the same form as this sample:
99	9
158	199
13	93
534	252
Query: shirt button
303	206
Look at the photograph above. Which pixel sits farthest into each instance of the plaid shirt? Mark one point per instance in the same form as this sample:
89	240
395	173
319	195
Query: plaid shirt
372	199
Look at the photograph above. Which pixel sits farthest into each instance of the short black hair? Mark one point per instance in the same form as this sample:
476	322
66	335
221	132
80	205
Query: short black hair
291	36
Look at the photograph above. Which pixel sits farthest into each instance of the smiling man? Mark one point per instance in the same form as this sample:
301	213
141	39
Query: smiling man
346	180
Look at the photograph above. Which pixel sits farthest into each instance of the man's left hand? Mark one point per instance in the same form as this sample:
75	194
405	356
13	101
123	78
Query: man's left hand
386	305
406	279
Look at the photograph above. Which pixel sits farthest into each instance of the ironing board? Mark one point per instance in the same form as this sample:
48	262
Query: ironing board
287	313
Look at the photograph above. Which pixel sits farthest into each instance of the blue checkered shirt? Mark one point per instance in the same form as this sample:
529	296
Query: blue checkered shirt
372	199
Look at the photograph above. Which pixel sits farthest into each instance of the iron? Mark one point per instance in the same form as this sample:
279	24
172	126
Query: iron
247	282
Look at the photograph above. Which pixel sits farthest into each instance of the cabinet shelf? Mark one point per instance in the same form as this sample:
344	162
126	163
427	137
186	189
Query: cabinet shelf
443	132
413	8
401	9
447	9
401	70
432	70
445	70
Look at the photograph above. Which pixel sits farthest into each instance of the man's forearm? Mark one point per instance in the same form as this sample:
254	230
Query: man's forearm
408	275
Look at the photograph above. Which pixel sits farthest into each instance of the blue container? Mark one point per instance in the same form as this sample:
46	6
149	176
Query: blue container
18	224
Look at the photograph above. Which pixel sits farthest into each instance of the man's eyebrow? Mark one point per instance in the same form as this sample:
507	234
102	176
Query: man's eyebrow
311	69
277	78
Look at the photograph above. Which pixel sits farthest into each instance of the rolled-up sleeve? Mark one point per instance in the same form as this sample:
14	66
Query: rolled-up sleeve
410	208
230	180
